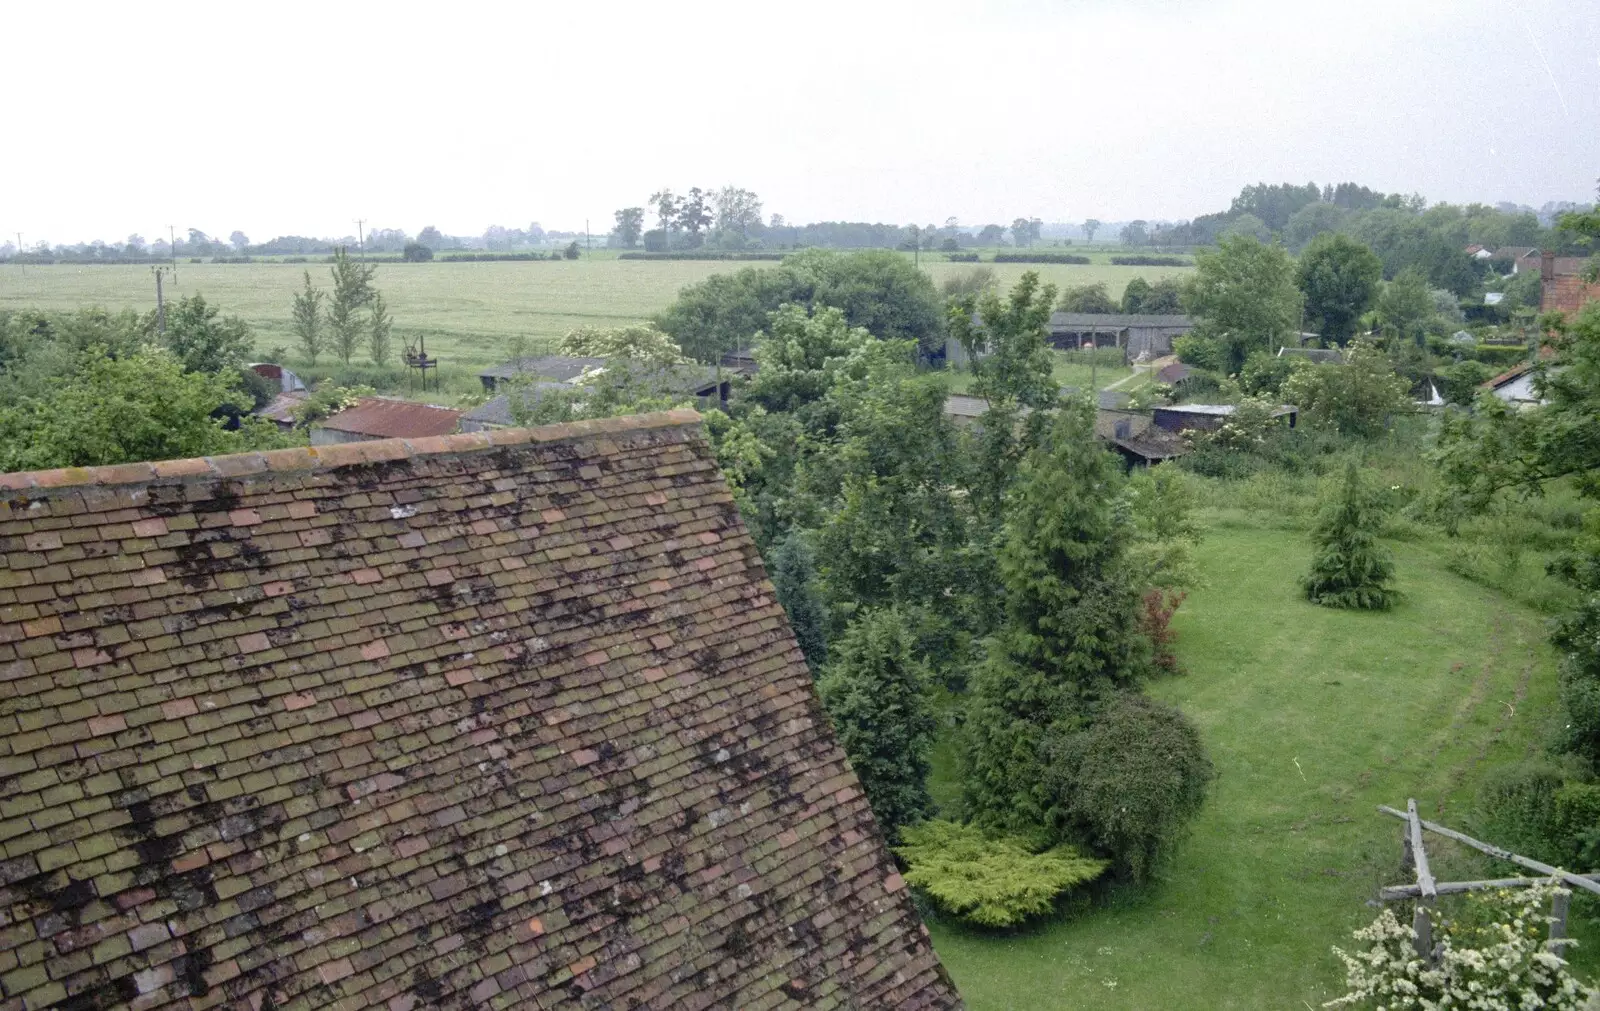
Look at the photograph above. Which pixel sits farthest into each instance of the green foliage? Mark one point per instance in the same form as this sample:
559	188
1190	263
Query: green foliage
1264	373
877	289
991	882
794	577
1164	298
641	342
1348	568
1339	278
307	319
1017	364
1245	297
1160	503
874	691
378	326
1087	298
1536	808
352	292
1131	781
1359	397
1458	383
416	252
800	353
973	282
203	339
1406	306
140	407
1071	636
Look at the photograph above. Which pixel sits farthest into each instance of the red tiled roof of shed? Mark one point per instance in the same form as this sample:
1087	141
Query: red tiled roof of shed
394	419
506	719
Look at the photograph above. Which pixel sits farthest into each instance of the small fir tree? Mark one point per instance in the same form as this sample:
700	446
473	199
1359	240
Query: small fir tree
1072	635
874	693
1348	568
794	576
307	314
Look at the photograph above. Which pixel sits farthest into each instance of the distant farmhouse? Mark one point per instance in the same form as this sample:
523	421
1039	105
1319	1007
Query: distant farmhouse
507	720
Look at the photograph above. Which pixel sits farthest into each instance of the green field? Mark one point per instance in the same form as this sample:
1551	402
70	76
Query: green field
467	311
1313	717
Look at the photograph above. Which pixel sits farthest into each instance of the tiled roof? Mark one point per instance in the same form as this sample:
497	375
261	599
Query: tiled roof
503	720
394	419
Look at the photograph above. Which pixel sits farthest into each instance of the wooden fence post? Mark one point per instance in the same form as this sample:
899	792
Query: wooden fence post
1559	904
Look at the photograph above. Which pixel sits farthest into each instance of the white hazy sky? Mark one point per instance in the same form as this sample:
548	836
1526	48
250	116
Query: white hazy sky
298	118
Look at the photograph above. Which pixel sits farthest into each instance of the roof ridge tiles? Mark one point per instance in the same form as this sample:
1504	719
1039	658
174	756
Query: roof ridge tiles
320	458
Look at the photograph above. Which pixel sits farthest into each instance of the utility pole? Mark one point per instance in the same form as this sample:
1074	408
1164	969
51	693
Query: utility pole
172	249
916	245
20	262
588	243
161	305
361	236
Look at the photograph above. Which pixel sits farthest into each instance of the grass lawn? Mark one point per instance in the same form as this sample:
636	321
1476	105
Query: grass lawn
1067	372
1313	717
466	311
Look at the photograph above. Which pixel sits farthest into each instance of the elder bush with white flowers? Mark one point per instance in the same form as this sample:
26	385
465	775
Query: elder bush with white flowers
1500	964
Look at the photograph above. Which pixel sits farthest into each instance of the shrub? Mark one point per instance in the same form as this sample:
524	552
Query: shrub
1150	261
1459	383
1499	963
962	257
991	882
794	577
416	252
1348	569
702	254
571	252
1156	623
1131	781
1039	258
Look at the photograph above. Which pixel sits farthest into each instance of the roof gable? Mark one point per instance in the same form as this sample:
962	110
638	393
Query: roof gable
510	717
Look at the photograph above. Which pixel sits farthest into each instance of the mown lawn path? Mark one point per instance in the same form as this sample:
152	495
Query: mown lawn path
1313	717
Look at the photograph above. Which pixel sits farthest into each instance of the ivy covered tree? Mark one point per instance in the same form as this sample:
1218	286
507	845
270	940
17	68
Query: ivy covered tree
874	691
1348	568
1071	637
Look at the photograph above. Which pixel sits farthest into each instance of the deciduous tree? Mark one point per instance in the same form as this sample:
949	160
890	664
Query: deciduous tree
203	339
1245	297
307	319
1339	278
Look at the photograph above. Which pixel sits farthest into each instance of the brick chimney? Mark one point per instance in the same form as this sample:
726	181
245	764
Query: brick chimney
1547	265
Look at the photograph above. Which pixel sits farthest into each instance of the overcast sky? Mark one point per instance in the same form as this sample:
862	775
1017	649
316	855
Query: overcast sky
284	118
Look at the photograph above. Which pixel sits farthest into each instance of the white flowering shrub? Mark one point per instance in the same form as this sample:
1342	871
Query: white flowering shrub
1497	964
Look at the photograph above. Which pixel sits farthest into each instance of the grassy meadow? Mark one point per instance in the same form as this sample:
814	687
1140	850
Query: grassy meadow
1313	717
467	312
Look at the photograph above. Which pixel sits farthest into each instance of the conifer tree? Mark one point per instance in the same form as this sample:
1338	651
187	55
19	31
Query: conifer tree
1071	638
1348	568
874	693
794	574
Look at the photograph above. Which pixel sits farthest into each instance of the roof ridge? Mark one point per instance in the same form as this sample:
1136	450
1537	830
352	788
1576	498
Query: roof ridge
235	465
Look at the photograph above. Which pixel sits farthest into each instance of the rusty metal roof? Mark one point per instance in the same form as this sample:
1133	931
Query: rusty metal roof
394	419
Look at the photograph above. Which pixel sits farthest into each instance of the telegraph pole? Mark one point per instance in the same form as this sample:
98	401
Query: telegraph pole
361	236
161	305
588	243
172	249
20	262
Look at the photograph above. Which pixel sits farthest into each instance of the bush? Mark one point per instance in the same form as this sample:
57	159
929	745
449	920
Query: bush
1459	383
991	882
571	252
1151	261
1496	959
1131	781
1040	258
1156	622
416	252
962	257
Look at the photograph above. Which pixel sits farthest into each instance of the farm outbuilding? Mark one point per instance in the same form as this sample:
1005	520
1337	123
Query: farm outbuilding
379	418
1209	417
1136	334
